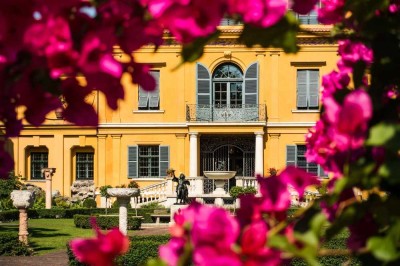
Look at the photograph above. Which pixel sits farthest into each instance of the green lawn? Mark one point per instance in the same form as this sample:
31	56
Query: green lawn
48	235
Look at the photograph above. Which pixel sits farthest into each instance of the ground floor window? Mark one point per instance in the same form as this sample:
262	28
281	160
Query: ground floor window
148	161
84	165
39	160
296	155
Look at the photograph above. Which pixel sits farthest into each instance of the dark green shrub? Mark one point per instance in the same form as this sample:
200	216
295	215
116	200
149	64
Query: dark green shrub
8	185
133	184
11	246
106	222
103	191
6	204
89	203
51	213
139	253
11	215
40	200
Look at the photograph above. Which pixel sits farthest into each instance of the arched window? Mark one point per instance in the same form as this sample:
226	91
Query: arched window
227	81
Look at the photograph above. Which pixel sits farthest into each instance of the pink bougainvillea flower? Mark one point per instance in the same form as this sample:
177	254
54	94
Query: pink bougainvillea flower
101	250
299	179
187	19
261	13
171	251
6	162
140	75
275	196
361	231
76	106
351	119
254	246
95	56
352	52
213	223
303	6
109	85
331	11
203	225
210	256
249	211
333	82
340	134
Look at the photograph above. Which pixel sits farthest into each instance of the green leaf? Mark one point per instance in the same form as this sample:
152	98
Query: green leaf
281	35
383	248
386	248
193	51
385	134
155	262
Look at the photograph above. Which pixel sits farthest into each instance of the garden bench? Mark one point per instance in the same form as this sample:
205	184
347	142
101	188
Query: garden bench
158	214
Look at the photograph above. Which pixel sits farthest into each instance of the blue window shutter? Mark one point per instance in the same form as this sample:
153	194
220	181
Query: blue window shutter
321	172
203	78
302	84
154	96
291	155
143	98
251	84
164	160
132	161
313	88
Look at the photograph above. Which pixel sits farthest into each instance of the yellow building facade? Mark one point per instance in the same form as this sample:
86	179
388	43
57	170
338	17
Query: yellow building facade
236	108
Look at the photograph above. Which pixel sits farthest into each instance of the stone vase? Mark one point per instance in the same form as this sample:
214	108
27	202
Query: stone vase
23	200
123	196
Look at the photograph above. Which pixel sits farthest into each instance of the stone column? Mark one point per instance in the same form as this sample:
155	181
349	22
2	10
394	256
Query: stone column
48	174
259	160
123	196
22	200
193	172
123	214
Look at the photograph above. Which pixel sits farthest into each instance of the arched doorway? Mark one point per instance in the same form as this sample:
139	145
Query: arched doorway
227	153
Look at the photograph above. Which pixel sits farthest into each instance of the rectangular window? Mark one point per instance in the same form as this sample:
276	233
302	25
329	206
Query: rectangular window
150	100
39	160
296	155
149	161
84	165
310	18
307	89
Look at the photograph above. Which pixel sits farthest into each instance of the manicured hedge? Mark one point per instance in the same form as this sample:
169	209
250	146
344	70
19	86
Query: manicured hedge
11	246
7	216
106	222
12	215
141	249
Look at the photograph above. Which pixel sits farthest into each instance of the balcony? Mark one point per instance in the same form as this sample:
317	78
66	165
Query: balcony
226	113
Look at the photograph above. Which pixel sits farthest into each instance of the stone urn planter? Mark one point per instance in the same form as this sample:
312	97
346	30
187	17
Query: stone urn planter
22	200
123	196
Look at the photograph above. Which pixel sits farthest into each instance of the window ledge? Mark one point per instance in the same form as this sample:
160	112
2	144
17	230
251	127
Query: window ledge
36	180
148	111
306	111
148	179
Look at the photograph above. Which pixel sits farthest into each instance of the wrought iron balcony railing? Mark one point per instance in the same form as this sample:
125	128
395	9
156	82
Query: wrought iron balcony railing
226	113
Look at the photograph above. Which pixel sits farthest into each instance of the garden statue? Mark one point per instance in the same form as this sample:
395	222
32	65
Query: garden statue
181	189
